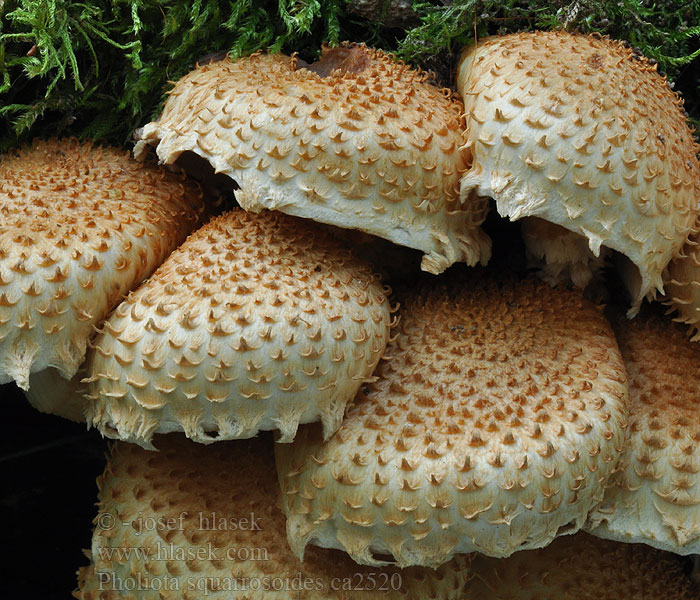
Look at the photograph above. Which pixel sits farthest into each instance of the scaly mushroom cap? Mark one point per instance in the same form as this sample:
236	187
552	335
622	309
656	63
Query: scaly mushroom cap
256	322
492	427
581	131
80	225
682	283
194	522
656	498
357	140
581	567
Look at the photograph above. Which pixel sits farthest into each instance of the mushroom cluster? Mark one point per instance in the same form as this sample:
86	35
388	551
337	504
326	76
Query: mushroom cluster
319	435
186	487
493	428
81	226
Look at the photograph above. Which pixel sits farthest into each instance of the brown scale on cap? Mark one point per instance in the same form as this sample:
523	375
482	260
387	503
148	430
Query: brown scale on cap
220	504
256	322
357	140
582	132
581	567
655	499
80	225
493	426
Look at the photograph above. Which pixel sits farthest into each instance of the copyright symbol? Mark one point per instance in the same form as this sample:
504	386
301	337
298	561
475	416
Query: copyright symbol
105	521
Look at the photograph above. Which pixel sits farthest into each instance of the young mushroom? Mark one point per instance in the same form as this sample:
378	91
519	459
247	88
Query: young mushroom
493	426
195	521
582	132
256	322
655	499
357	140
80	225
581	567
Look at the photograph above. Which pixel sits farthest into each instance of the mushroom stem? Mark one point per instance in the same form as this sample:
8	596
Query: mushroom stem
561	255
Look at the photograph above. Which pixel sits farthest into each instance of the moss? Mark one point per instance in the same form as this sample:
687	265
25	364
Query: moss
101	69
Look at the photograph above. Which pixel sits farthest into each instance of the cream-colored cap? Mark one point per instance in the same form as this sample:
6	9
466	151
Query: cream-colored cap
656	498
193	522
581	131
682	284
256	322
495	422
357	140
80	225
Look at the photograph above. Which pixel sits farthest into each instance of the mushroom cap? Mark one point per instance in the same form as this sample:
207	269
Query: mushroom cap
80	225
581	131
581	567
655	499
493	426
682	285
208	521
258	321
358	140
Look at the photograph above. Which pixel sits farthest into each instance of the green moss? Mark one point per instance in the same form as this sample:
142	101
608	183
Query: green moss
660	30
101	69
666	31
